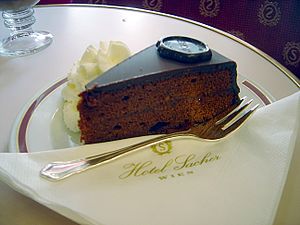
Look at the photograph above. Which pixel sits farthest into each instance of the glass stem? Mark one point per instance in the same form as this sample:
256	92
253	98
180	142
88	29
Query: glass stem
19	22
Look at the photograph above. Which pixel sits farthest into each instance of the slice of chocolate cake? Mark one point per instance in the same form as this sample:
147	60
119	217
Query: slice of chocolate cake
149	94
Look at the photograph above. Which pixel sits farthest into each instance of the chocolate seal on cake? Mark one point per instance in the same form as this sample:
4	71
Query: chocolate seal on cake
183	49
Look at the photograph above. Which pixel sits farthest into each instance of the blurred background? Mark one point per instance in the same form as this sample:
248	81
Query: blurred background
271	26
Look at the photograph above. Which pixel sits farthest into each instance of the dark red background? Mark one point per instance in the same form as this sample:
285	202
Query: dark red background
271	26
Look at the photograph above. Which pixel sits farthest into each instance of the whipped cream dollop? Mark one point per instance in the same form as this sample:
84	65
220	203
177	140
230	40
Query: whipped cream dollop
93	63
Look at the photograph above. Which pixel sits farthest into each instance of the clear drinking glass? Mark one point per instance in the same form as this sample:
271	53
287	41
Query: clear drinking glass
18	18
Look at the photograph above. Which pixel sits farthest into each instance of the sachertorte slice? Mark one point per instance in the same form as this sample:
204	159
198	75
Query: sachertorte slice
149	94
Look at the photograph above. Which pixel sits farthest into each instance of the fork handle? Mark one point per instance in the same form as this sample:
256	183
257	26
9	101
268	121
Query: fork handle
60	170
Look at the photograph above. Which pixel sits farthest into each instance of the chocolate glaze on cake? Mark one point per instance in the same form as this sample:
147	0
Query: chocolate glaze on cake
147	66
148	94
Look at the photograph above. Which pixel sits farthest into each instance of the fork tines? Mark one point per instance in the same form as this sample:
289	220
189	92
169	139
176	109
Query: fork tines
234	119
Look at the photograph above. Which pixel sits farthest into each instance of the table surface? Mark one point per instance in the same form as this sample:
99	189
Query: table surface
74	28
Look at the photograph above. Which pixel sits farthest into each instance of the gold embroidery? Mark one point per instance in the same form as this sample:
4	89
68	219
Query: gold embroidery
291	53
193	161
269	13
182	174
152	4
209	8
142	169
175	167
162	148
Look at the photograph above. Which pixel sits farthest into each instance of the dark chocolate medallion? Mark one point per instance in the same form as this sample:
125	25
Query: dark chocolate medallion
183	49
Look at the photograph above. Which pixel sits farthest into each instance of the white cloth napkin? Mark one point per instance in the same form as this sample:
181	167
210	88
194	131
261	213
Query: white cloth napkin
235	181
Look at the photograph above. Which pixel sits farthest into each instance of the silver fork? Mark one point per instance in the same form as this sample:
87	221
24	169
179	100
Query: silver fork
214	129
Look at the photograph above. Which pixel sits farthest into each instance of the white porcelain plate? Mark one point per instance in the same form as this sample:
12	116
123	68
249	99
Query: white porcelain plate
40	126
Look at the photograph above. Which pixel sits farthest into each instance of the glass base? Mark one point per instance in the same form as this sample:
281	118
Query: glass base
22	44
